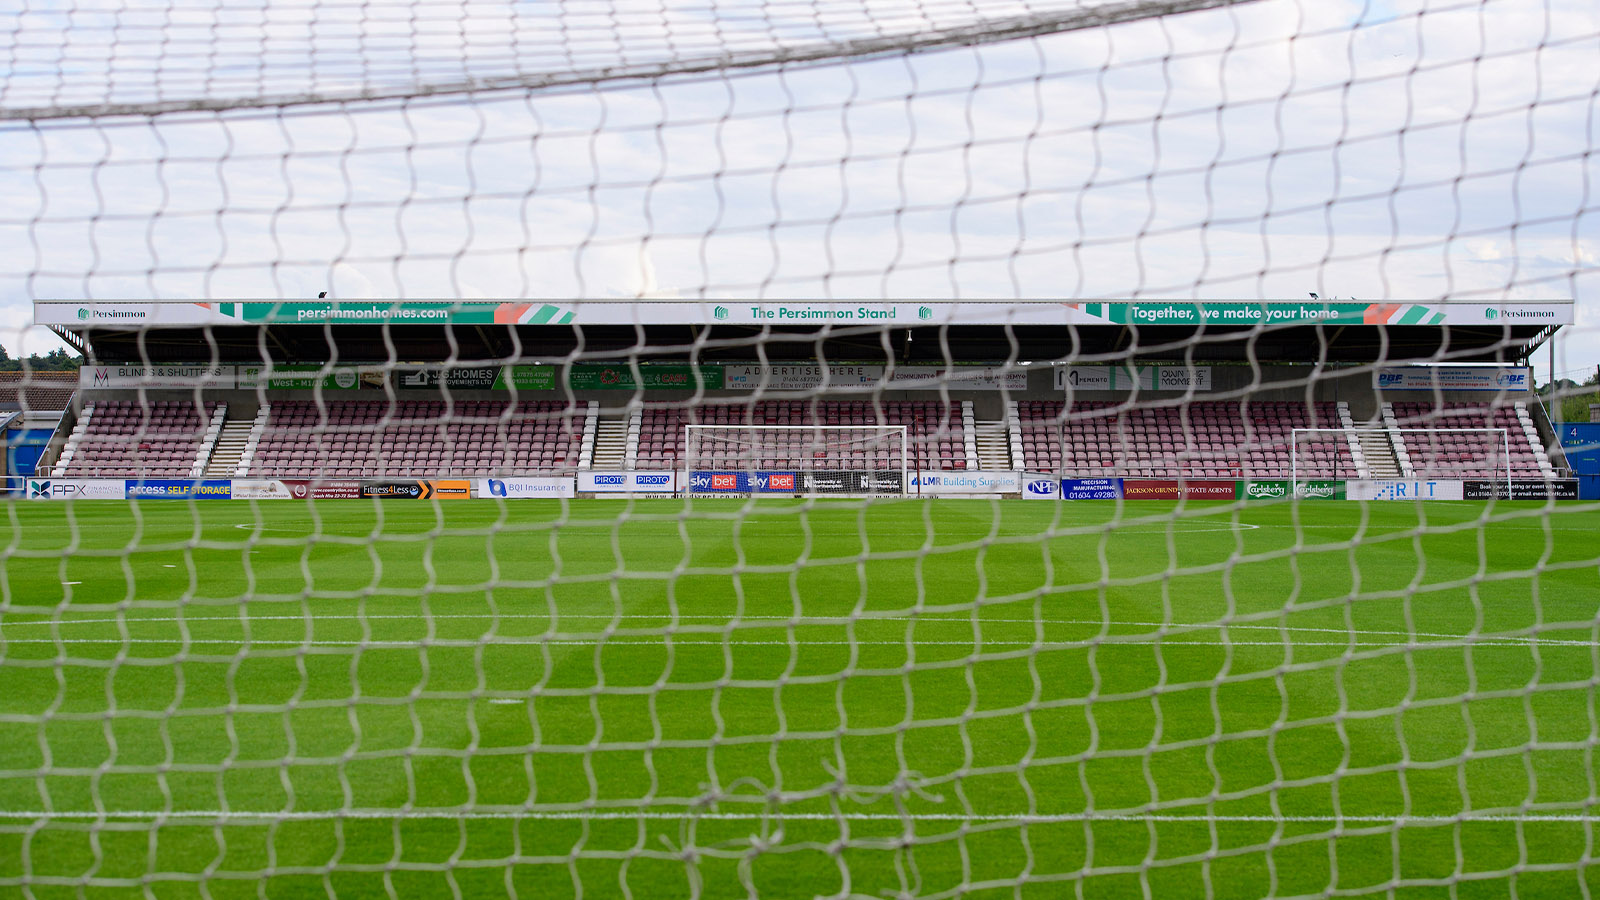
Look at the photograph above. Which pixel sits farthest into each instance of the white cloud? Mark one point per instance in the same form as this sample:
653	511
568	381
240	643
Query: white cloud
1266	150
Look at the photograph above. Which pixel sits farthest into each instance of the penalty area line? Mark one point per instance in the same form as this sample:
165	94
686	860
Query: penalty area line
712	815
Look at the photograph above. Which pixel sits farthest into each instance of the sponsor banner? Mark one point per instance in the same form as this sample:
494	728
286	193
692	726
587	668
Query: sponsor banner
75	489
344	489
299	377
82	314
719	482
1262	490
1130	378
829	483
396	490
450	489
262	489
526	488
213	377
526	378
1382	489
776	482
1038	486
1320	490
958	378
1521	489
799	377
621	377
1138	489
432	378
1091	488
975	482
172	489
879	482
1141	489
628	482
1452	378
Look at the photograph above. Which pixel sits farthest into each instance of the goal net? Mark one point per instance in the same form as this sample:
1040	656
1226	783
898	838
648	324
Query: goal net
796	459
370	595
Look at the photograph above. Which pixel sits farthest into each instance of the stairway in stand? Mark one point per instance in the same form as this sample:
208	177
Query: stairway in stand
991	440
230	448
1379	451
610	445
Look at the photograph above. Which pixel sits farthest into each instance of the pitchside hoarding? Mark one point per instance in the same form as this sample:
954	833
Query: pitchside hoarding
960	482
627	482
1156	489
1521	489
1395	489
532	488
173	489
76	489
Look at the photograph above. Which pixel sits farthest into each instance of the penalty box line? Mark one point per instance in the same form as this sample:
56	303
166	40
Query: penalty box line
1167	630
779	816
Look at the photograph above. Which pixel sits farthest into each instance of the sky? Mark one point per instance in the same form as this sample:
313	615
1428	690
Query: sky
1397	150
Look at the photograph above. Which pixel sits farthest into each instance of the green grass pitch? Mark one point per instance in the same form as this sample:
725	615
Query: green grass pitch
783	699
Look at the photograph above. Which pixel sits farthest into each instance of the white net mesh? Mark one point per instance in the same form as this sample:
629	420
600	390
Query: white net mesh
546	695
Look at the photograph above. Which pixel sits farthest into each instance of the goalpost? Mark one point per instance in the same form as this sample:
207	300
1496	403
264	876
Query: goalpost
1449	454
721	460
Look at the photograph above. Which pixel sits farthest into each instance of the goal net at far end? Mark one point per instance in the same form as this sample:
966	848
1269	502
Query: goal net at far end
795	459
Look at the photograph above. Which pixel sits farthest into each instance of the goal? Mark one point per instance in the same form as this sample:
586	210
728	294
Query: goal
1450	454
723	460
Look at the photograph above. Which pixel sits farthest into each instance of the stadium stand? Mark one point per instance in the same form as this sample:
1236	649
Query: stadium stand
936	432
1441	452
152	438
305	439
1208	439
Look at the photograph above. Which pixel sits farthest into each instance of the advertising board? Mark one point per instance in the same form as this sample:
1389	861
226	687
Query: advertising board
324	490
627	482
299	376
719	482
621	377
798	377
1091	488
959	378
1320	490
214	377
1521	489
1144	489
262	489
960	482
395	490
1036	486
1129	378
1512	379
527	488
450	489
75	489
175	489
776	482
1391	489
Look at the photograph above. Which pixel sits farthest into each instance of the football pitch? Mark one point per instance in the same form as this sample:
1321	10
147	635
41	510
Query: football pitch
780	698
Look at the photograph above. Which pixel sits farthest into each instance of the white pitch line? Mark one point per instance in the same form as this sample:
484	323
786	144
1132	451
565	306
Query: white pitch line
681	641
1167	629
680	815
